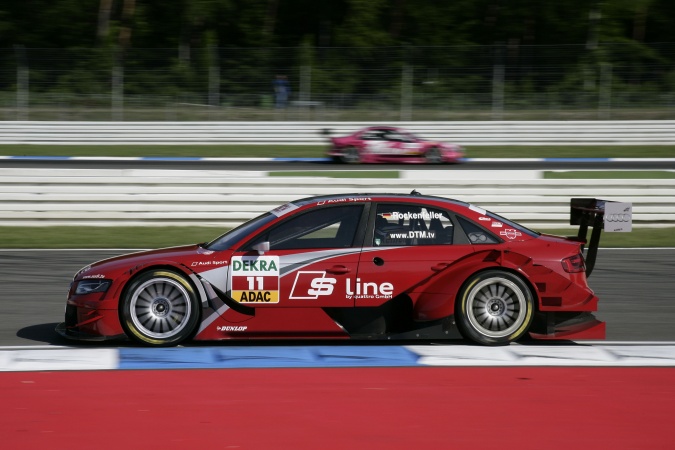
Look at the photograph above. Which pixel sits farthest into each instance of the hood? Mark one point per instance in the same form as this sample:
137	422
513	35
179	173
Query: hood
171	254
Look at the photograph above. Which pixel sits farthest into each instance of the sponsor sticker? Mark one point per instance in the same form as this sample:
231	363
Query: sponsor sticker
510	233
255	279
207	263
478	210
426	215
232	328
309	285
284	209
343	200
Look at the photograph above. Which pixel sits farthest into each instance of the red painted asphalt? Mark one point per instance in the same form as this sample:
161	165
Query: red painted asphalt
350	408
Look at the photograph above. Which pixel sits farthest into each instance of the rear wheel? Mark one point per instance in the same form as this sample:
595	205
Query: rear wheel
351	156
159	308
494	308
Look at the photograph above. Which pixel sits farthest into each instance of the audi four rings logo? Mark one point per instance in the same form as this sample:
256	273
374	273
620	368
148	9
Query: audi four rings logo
618	218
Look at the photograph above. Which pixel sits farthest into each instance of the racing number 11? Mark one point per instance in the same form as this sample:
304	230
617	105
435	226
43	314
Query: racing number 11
252	281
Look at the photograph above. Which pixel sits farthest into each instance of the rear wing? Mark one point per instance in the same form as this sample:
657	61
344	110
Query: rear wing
599	215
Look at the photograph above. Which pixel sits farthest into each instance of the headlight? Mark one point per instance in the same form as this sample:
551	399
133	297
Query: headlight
91	286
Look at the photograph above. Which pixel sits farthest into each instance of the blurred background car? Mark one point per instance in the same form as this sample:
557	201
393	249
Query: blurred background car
382	144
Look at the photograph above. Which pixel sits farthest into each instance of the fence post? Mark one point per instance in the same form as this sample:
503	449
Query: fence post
605	92
305	94
22	83
406	93
117	90
498	82
214	77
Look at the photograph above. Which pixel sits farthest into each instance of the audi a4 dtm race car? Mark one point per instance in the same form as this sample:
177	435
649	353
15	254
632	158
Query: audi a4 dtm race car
361	266
391	145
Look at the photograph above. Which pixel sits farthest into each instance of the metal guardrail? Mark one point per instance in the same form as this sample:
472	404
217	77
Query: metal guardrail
657	132
142	197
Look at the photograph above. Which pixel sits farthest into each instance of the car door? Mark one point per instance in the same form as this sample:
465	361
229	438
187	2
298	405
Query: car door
375	142
407	244
313	256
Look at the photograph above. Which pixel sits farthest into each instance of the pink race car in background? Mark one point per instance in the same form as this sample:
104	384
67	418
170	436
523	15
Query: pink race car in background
391	145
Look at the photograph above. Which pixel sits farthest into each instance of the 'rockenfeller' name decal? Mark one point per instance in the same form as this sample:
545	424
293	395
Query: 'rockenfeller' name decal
255	279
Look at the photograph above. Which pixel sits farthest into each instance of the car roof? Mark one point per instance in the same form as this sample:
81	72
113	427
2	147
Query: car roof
355	197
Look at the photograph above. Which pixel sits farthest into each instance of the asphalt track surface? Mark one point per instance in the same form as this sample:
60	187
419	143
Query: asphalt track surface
321	164
635	287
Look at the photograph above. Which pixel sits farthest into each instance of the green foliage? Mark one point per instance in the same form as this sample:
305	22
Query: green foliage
555	54
170	236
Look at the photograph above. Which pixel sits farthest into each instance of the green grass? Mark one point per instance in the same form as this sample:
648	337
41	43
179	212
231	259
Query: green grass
639	237
609	174
157	237
105	237
339	174
315	151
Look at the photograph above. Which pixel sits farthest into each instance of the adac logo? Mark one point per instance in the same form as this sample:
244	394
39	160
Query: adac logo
310	285
254	279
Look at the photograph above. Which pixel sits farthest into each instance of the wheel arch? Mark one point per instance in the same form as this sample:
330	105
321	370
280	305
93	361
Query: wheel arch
187	276
511	270
158	265
471	327
448	284
190	276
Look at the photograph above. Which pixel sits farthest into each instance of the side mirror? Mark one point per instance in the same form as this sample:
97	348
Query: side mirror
262	247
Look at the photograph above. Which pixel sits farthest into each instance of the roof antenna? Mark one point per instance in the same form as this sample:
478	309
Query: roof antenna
414	192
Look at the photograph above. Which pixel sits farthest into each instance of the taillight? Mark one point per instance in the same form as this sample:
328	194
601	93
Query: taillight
574	264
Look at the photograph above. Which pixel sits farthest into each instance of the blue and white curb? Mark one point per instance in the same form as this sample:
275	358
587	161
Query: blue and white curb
616	354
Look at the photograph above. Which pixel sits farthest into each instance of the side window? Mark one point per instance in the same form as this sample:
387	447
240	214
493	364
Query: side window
476	234
333	227
406	224
372	135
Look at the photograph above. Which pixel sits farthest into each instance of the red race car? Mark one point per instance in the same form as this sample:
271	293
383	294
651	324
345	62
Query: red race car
366	266
391	145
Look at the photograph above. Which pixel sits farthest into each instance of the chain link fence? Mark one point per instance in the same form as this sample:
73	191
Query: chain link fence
497	82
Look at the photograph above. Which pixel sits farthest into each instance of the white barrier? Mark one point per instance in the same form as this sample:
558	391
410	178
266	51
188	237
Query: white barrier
633	132
125	197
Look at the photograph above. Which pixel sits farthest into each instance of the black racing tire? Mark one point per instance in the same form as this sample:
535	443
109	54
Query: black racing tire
433	156
159	308
351	155
494	307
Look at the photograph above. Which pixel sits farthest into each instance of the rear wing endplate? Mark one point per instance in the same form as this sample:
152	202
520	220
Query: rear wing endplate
599	215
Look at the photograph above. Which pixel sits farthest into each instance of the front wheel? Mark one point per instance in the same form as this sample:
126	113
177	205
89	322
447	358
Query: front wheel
159	308
433	156
494	308
351	155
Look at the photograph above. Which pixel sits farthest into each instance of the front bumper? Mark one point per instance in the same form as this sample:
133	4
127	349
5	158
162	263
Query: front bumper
88	324
75	335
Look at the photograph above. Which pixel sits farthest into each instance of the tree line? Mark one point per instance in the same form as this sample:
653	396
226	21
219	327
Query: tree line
331	23
351	46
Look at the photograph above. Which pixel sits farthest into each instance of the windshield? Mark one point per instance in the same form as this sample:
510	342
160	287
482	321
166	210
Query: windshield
229	239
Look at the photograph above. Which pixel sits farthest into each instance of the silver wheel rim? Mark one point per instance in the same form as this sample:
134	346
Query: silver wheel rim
433	156
160	308
351	155
496	307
